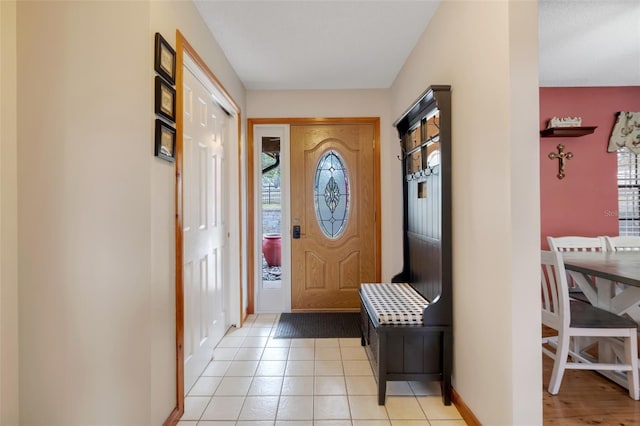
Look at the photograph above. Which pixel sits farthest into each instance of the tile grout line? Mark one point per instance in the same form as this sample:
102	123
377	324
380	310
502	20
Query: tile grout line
264	345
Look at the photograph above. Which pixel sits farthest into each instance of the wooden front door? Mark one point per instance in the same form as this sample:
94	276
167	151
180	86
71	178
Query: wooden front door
333	201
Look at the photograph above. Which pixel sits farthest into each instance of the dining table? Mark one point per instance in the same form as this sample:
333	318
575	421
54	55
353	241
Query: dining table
610	281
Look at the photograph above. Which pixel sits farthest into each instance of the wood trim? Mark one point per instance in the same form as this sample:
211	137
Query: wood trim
375	121
318	120
179	245
464	409
205	68
378	217
182	47
175	415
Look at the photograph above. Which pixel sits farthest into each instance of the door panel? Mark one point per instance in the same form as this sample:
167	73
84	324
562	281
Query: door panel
203	231
327	270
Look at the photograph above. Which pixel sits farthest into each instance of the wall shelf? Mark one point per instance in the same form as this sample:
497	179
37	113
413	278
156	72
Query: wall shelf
567	132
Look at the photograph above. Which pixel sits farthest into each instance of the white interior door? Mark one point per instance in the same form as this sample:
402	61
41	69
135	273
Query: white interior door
204	226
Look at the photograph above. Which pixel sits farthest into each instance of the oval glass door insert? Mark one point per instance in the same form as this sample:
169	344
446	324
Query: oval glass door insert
331	194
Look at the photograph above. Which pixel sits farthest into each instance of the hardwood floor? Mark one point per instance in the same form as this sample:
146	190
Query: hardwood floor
587	398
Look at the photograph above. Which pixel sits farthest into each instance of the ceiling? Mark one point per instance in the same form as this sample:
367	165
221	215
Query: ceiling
361	44
317	44
589	42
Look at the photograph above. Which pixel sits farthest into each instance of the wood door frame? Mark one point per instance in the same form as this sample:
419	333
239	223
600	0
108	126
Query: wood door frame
183	47
375	121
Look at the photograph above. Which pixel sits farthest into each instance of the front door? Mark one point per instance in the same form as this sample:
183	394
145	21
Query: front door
333	208
203	225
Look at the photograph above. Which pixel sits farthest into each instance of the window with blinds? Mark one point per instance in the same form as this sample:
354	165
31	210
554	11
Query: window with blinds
628	193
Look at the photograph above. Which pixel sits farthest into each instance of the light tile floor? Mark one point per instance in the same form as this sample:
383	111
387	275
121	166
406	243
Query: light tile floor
256	380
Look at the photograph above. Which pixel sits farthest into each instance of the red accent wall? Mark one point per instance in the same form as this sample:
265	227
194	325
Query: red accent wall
585	202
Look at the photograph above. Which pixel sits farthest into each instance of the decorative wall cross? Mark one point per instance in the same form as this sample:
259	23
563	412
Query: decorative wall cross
562	157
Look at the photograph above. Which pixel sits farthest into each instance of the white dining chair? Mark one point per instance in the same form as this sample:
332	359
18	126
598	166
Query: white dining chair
623	243
572	243
574	319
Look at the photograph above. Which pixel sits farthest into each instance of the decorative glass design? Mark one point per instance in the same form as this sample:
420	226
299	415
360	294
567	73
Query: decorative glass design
331	194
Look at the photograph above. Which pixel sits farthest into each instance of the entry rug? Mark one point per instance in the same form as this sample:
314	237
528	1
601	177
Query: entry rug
318	325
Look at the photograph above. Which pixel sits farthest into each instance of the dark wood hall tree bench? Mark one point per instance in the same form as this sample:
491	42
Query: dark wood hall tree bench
407	325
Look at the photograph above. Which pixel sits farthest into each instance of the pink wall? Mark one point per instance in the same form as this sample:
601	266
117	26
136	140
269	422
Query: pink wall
585	202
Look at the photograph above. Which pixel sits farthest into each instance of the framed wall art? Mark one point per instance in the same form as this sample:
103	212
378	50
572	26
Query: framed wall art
165	100
165	59
165	141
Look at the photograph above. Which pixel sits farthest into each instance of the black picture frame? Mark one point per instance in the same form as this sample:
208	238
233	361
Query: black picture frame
165	99
165	146
165	59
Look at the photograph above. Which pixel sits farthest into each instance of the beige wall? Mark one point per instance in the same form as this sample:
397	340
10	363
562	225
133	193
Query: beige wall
350	103
84	186
526	398
96	211
165	17
8	218
487	51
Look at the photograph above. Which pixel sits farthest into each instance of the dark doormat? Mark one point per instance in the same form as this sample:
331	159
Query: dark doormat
318	325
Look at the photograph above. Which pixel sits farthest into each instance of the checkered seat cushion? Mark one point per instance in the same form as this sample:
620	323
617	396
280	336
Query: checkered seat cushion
396	303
